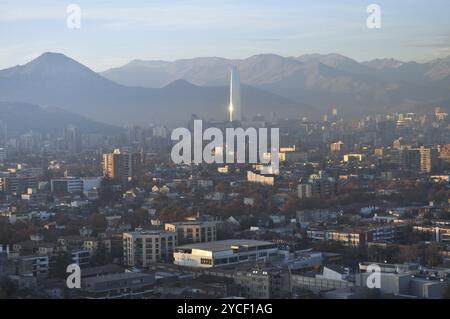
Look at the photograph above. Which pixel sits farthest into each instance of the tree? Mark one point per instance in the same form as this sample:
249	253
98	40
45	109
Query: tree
97	222
61	261
101	256
8	289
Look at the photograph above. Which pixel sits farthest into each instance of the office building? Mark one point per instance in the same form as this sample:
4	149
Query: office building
235	109
224	252
67	185
72	139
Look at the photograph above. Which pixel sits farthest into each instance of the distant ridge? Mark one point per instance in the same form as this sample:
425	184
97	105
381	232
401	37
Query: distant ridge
319	80
54	80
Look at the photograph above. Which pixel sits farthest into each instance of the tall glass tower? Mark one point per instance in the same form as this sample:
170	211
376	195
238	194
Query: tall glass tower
235	96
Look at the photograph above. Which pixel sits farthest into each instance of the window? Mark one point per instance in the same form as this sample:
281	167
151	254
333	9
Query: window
205	261
221	261
232	259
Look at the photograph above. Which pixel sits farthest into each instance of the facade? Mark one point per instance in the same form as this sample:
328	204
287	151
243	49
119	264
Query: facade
440	233
235	109
406	284
193	231
141	248
253	177
66	185
421	159
80	257
224	252
117	285
37	266
428	158
262	283
317	284
353	158
16	182
321	187
359	236
120	165
72	138
85	243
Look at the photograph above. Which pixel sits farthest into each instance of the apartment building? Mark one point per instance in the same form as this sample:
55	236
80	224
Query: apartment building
141	248
193	231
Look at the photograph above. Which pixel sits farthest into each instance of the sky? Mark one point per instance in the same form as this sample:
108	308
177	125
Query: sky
114	32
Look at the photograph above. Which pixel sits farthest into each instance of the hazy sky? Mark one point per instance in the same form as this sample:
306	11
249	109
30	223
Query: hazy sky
114	32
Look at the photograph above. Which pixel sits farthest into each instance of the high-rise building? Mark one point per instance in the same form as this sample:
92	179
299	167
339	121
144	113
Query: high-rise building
428	158
421	159
135	134
445	153
72	138
3	133
235	109
122	165
2	154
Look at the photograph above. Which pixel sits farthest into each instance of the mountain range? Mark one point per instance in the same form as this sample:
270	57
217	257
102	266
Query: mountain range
22	118
161	92
54	80
322	81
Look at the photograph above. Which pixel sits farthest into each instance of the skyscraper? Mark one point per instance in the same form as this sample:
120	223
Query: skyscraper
122	165
72	137
235	96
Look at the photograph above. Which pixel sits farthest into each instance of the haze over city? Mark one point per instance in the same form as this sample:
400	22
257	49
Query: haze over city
253	152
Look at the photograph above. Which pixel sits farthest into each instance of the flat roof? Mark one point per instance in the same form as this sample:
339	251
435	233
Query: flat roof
221	245
154	232
118	276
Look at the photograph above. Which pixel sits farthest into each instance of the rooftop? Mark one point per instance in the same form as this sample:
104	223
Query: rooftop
228	244
118	276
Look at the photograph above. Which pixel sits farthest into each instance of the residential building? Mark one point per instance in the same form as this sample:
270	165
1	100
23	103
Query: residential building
143	247
122	165
193	231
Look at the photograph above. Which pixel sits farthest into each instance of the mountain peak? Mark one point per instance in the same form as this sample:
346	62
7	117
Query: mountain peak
180	83
53	65
54	59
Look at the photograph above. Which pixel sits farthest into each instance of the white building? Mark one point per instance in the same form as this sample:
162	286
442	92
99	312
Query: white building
224	252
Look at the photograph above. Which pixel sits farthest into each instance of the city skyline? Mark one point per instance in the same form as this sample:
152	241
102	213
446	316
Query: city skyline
311	162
